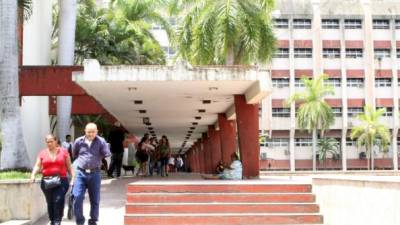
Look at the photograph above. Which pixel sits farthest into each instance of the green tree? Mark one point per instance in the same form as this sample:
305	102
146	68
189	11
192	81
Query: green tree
371	132
119	34
225	31
327	146
314	113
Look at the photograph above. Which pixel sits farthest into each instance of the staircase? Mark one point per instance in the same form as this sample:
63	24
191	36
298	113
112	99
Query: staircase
220	202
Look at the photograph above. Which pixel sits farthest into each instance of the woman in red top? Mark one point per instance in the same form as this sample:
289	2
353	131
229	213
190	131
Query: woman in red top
54	161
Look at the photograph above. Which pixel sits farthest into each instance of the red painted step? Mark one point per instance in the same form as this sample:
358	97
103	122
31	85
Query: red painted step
244	188
218	197
222	219
221	208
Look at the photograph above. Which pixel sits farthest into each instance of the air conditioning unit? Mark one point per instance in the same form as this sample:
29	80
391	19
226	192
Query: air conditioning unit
263	155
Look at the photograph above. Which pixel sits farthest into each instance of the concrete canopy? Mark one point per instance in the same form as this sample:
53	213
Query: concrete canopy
173	98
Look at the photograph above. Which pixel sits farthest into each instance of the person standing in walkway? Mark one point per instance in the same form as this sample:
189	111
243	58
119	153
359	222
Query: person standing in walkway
67	144
116	139
165	152
88	150
54	162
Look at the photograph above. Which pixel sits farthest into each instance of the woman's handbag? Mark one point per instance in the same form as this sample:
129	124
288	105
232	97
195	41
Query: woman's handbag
51	182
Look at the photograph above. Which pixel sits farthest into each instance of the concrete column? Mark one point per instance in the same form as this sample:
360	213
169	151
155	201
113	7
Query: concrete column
344	94
195	158
227	132
207	153
292	90
317	42
369	58
247	124
395	97
201	156
215	147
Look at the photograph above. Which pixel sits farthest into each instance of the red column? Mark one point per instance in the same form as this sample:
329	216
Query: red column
248	133
227	132
189	159
201	156
207	153
215	147
195	158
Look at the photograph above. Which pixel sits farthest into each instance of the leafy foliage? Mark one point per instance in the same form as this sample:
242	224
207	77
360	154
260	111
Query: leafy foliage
225	31
27	6
328	146
371	131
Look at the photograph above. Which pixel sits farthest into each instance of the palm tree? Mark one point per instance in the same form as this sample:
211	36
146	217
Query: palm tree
314	113
371	132
66	48
225	31
118	35
14	153
327	146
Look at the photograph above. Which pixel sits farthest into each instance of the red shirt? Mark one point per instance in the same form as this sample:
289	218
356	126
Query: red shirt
56	167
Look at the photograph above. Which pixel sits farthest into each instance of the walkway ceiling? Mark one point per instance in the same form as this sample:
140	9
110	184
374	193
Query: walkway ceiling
179	101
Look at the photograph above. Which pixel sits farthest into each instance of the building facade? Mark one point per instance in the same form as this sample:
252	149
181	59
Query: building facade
357	44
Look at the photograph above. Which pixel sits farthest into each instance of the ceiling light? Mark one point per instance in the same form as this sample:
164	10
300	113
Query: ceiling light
132	88
190	131
138	102
202	110
146	120
213	88
206	101
197	117
195	123
192	128
142	111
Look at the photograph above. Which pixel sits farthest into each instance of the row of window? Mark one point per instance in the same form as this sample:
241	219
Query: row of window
337	112
301	142
333	53
334	23
335	82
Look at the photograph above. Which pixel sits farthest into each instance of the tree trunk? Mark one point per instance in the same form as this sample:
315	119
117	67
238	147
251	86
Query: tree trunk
230	56
314	149
368	151
372	158
66	48
14	153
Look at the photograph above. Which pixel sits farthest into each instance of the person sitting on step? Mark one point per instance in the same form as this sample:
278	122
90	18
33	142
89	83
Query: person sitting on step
232	172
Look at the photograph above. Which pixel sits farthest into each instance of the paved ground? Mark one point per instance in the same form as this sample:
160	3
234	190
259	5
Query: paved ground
112	204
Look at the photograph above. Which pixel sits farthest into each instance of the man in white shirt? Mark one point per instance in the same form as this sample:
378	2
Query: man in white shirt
67	144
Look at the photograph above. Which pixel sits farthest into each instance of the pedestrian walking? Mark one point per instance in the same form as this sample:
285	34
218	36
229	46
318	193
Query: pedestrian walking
54	162
88	150
116	139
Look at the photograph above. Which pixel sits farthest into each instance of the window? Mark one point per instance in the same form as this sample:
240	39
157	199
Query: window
352	24
354	53
337	112
382	53
280	112
298	82
383	82
355	82
398	53
277	142
303	142
331	53
303	53
302	23
350	142
330	24
280	82
353	112
398	141
281	23
282	53
335	82
397	24
380	24
389	111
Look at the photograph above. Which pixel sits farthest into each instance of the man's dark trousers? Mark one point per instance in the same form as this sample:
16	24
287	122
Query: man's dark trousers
91	182
116	163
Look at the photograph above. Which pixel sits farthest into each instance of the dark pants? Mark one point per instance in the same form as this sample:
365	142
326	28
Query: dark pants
55	199
116	164
164	164
91	182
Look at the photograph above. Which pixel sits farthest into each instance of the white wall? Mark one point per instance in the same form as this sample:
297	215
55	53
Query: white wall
358	200
37	43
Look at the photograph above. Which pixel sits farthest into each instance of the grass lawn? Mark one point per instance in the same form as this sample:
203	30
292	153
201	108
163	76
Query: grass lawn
14	175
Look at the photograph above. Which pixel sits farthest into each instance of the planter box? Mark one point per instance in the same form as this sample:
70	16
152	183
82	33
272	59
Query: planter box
20	200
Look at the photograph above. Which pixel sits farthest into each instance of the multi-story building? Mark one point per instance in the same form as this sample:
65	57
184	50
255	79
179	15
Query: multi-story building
357	44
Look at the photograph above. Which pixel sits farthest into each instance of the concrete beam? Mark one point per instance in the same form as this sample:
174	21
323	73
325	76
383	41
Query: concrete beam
231	113
258	91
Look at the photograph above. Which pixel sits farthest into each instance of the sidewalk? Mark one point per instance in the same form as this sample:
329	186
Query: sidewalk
113	195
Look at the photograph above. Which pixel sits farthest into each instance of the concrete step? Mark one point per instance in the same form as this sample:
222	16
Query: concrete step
223	219
142	208
220	197
221	188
